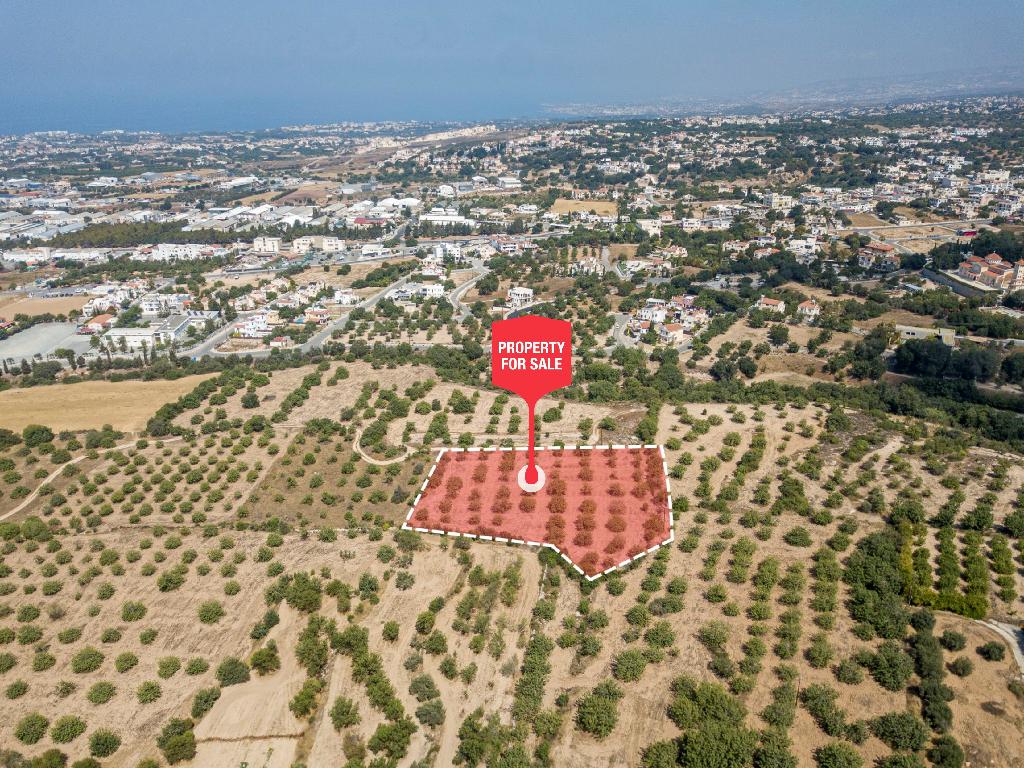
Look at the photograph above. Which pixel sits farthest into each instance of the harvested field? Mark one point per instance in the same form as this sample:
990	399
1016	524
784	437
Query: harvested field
600	207
125	405
866	220
17	304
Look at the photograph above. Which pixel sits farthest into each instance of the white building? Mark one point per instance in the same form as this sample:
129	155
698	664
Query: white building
778	202
177	252
372	250
254	327
167	332
808	310
519	297
444	251
164	303
651	314
806	246
303	245
345	297
265	244
413	290
446	217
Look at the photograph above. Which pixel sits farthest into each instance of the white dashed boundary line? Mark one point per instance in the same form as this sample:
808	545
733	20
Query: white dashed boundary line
501	539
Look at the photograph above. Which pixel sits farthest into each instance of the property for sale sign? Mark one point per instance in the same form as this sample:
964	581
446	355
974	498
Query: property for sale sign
531	356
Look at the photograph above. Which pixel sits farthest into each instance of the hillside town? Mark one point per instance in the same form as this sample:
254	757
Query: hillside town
488	385
779	202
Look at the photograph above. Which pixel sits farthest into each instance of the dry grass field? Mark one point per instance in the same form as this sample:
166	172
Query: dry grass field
244	596
16	304
600	207
125	405
866	220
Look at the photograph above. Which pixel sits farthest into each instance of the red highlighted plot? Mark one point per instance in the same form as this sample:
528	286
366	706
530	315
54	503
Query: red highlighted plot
600	507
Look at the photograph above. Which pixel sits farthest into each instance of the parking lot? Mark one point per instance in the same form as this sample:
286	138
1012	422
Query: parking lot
42	340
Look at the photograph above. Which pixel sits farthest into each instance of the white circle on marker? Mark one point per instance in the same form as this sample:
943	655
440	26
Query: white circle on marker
528	487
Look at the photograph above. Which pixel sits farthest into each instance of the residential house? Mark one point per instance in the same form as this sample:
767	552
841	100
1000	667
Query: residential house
809	310
345	297
946	335
96	324
876	256
519	297
767	304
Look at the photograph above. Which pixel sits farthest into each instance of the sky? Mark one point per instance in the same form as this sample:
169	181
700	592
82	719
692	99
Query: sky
187	65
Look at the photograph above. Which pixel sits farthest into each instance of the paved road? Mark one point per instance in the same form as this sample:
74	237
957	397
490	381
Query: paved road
207	345
622	339
462	310
317	340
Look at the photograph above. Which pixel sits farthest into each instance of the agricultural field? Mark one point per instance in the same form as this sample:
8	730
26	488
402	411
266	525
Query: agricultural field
234	586
125	405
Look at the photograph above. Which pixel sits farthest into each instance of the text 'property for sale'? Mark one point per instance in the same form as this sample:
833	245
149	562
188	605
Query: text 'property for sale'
531	355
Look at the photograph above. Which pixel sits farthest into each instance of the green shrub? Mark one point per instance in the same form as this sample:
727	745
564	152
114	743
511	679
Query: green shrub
177	741
961	666
992	651
891	667
86	660
149	692
133	611
211	612
103	743
900	731
125	661
597	712
31	728
629	665
101	692
66	729
953	641
344	713
266	660
945	752
203	701
167	667
837	755
303	704
232	671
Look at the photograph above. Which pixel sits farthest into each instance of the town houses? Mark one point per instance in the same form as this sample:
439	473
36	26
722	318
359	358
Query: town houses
672	320
992	271
879	257
414	290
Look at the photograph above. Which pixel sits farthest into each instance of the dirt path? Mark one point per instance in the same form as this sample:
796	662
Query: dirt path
53	476
251	722
379	462
1013	636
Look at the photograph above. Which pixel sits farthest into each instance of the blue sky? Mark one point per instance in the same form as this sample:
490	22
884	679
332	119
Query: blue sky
220	64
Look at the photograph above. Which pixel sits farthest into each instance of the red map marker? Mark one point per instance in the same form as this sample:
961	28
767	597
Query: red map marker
531	356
